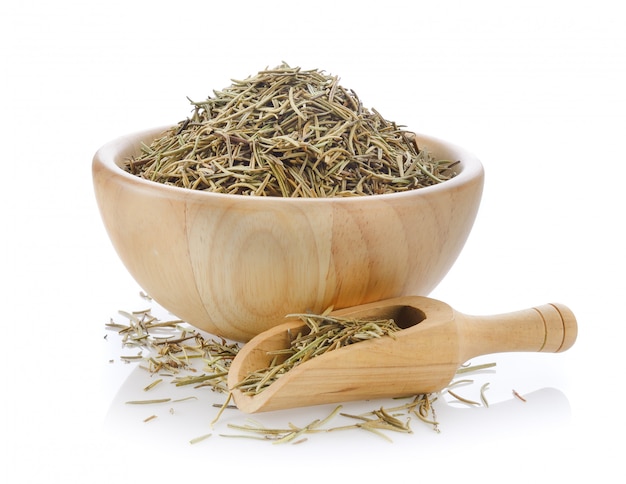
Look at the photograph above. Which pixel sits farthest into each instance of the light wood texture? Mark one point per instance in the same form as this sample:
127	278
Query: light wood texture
235	266
423	358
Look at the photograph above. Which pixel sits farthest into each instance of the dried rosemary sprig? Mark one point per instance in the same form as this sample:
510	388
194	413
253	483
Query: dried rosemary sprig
325	333
288	132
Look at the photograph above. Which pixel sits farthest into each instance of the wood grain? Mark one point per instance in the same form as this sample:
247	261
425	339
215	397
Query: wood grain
235	266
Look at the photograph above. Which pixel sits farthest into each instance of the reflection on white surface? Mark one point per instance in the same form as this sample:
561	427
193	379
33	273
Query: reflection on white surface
190	411
474	436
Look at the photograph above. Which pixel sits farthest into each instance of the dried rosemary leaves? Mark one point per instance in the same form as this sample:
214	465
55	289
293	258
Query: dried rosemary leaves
324	333
171	347
288	132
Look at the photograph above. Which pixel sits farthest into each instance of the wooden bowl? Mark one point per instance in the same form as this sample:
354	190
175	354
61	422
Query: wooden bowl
235	265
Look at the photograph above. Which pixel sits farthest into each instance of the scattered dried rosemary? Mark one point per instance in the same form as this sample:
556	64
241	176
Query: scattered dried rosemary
324	334
172	347
396	419
288	132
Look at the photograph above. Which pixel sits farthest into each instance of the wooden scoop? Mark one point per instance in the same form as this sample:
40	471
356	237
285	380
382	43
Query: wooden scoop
422	358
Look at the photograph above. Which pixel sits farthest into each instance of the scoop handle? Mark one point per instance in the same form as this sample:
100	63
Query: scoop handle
549	328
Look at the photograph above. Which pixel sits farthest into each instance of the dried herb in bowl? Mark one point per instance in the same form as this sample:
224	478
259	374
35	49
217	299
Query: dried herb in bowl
288	132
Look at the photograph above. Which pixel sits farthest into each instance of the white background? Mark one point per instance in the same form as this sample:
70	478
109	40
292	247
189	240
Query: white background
535	89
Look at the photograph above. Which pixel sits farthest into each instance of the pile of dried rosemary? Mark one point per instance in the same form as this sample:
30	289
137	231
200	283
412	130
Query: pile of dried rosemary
288	132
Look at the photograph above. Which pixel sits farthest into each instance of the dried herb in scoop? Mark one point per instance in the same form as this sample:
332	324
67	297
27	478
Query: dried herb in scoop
323	334
288	132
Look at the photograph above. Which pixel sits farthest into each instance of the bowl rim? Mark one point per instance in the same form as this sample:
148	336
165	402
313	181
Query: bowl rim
110	155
